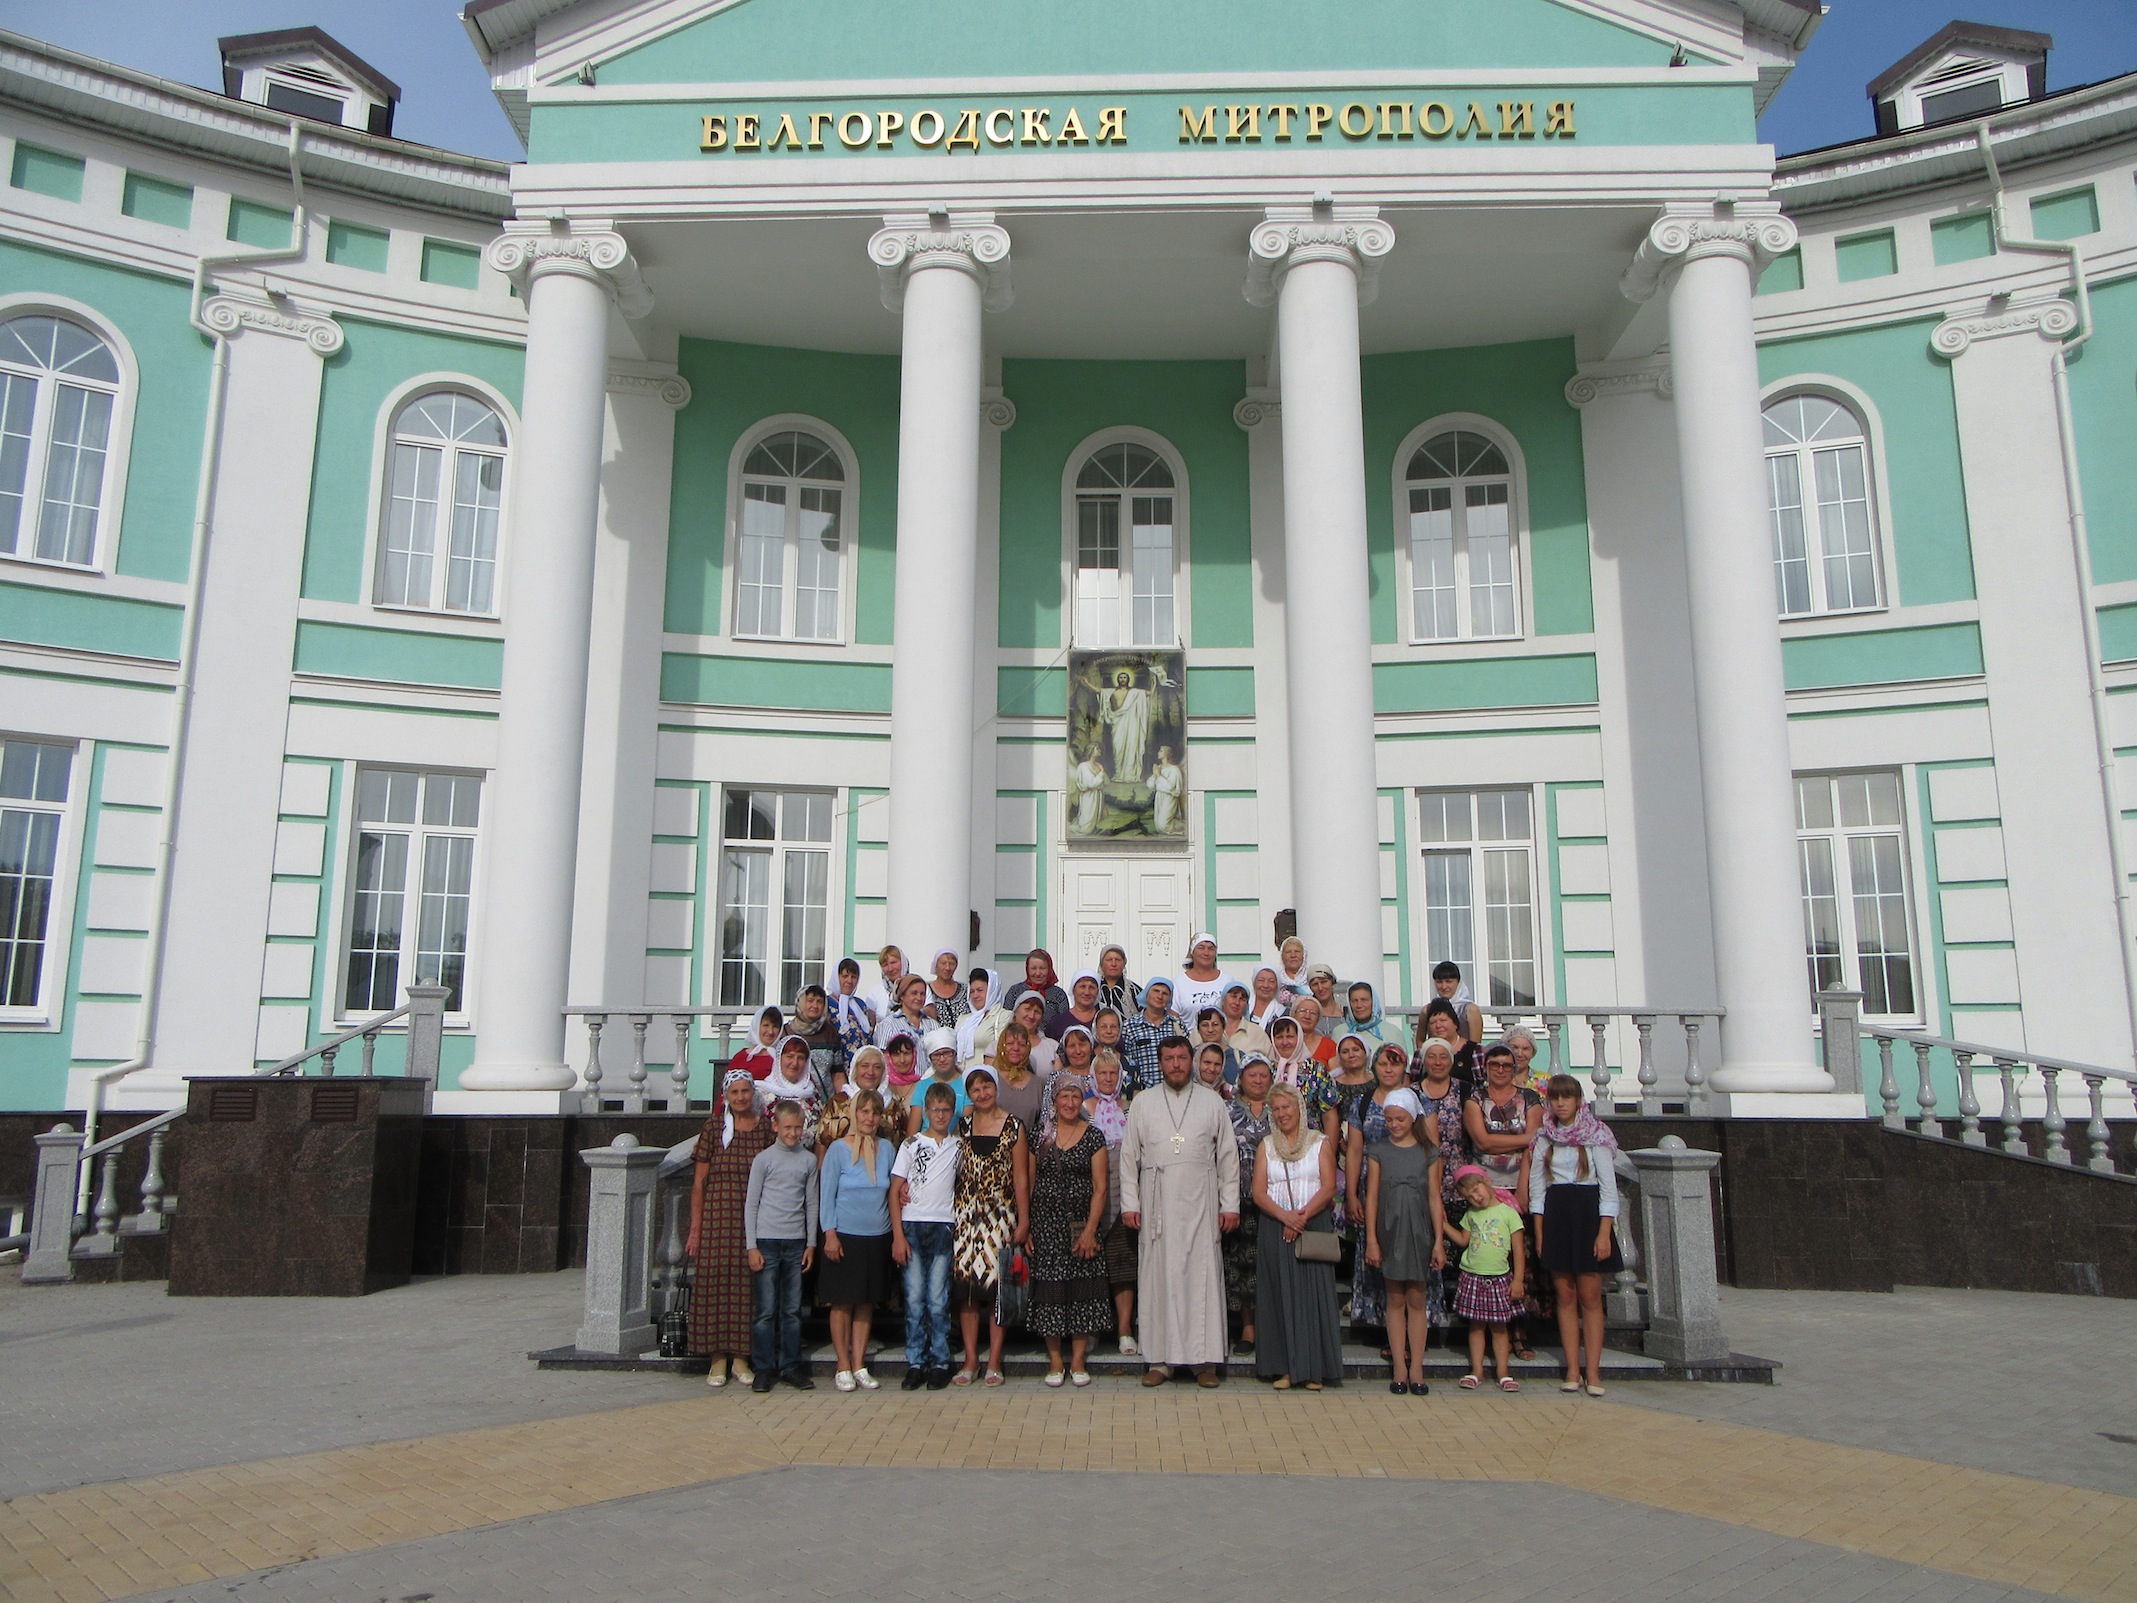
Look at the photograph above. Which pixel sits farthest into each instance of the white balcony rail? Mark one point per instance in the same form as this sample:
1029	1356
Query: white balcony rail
1668	1075
636	1089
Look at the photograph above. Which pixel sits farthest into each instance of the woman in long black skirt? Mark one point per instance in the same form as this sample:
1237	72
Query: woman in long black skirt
1573	1196
1297	1340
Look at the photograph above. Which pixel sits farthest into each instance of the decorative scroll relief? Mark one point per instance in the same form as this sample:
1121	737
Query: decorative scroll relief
527	249
1258	407
671	388
1603	383
227	315
1752	232
971	242
1354	235
997	410
2051	320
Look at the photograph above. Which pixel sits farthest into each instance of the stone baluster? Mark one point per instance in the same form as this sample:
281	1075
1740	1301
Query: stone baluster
1695	1072
619	1247
50	1257
680	1073
1599	1028
640	1023
674	1234
1925	1093
103	1241
2014	1119
1621	1304
370	1053
1650	1100
2101	1160
326	1063
1683	1285
2052	1125
1969	1104
153	1184
1554	1027
590	1099
1888	1085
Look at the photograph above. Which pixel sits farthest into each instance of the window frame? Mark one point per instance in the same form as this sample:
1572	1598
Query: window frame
1517	498
776	849
1477	971
1841	393
1182	511
111	508
47	1012
849	535
334	1013
401	396
1911	867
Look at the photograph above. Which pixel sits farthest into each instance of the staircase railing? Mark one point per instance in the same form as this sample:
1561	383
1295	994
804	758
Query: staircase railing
58	1234
1661	1077
636	1092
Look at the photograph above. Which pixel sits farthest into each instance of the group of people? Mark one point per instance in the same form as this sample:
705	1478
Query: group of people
1190	1166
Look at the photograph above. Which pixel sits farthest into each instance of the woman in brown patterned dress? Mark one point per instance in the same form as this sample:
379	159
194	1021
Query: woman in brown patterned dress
723	1304
993	1211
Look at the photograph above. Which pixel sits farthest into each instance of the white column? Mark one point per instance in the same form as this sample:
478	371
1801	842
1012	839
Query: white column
1317	266
1708	263
570	274
940	271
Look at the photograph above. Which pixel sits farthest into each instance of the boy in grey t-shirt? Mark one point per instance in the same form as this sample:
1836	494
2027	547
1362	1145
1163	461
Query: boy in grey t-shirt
779	1229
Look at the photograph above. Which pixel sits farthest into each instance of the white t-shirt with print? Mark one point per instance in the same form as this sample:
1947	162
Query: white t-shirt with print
929	1169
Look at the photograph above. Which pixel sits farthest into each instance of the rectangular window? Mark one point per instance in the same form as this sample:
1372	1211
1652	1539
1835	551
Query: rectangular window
774	844
1124	595
320	108
254	224
47	172
1967	237
350	245
1783	274
2070	215
457	266
1480	890
154	201
34	778
1852	838
411	887
1866	256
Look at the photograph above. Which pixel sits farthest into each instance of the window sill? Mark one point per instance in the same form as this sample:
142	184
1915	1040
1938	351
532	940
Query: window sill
801	641
434	614
80	570
1800	622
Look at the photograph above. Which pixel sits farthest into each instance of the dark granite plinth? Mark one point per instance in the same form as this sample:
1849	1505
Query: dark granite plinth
297	1187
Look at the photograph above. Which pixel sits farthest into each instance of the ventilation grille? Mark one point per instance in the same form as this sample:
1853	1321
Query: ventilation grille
333	1104
233	1104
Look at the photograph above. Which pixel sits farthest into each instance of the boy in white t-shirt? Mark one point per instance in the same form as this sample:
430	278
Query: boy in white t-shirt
923	1213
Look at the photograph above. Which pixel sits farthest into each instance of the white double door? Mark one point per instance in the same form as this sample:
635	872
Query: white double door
1140	903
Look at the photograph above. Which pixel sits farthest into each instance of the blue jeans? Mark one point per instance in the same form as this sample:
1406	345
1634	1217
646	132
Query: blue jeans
775	1339
927	1295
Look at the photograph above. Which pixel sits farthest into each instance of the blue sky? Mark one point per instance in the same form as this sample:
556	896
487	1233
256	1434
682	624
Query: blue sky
446	100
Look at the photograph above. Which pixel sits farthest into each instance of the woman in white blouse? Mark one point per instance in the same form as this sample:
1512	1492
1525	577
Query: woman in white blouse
1573	1198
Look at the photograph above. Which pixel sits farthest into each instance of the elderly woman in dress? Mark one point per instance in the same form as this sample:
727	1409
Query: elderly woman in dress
1107	1109
723	1304
1070	1297
1298	1342
1250	1127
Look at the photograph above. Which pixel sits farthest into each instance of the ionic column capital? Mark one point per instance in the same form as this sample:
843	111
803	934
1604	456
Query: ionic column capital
2052	320
231	314
1322	232
996	410
529	247
968	242
1256	407
1753	232
649	379
1605	380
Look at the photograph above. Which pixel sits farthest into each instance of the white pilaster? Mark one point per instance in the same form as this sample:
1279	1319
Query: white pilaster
1707	262
941	271
570	275
1317	265
1259	414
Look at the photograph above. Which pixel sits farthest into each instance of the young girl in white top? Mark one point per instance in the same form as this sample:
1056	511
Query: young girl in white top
1573	1197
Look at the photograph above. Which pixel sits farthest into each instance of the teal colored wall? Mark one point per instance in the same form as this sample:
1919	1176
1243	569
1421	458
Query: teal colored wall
735	387
1522	389
374	360
1060	404
2103	397
163	466
400	656
1912	391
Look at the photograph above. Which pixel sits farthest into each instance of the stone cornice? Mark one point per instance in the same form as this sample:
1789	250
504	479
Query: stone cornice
970	242
1754	232
2053	321
1608	380
1322	232
660	384
230	315
530	247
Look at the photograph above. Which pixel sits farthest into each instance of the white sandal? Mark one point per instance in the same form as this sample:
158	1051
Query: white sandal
1055	1377
717	1374
1128	1348
1079	1377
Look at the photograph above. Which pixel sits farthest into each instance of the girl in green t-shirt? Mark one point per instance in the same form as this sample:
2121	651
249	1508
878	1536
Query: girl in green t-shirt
1494	1262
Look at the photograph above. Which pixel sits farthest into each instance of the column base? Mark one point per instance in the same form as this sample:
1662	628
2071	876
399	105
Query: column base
538	1104
518	1077
1797	1105
1791	1077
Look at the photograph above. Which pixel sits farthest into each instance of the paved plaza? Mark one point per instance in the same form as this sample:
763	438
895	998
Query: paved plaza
1924	1445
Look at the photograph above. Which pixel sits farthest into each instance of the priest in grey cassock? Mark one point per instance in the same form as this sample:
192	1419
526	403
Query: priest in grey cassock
1179	1188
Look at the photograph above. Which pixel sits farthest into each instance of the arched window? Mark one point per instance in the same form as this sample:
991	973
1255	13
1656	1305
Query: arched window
59	385
790	548
1124	548
1462	584
445	481
1818	493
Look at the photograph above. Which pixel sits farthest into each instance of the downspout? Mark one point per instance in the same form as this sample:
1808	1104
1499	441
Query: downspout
189	643
2081	550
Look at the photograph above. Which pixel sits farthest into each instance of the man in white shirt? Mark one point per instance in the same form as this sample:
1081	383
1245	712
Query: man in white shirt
1202	983
923	1214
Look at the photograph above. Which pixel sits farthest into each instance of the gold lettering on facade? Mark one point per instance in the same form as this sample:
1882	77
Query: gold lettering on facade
1388	130
1281	116
715	137
887	126
1425	124
1365	120
1112	126
1517	119
847	125
1558	121
1009	135
966	132
1242	123
817	119
1035	125
1316	120
787	132
1203	128
932	138
746	132
1477	120
1072	130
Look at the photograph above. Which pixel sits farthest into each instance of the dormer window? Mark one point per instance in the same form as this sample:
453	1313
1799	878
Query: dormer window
308	73
1965	71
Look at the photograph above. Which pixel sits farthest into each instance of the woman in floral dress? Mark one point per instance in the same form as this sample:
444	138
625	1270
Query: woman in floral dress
1440	1095
1069	1294
993	1205
1367	1124
1250	1127
723	1307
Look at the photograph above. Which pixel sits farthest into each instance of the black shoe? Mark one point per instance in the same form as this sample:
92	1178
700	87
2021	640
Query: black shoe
915	1378
1398	1387
1242	1346
938	1380
1419	1389
800	1380
763	1383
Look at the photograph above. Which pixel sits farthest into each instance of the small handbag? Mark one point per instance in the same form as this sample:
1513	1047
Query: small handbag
1313	1246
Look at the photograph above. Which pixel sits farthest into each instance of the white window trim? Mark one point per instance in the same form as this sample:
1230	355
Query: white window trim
331	1015
835	899
112	507
1542	889
1913	853
849	531
1182	527
1907	101
381	471
1873	429
53	993
1517	523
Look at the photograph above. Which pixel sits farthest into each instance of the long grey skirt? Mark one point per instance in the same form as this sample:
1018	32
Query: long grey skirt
1295	1325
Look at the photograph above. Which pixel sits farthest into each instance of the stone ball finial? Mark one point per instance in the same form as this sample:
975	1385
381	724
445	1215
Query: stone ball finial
1669	1143
629	1143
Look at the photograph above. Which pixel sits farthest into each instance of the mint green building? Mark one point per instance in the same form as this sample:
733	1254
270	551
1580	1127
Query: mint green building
981	480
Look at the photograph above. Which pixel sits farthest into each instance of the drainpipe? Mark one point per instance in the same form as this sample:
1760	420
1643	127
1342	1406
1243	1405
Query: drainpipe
2080	548
189	646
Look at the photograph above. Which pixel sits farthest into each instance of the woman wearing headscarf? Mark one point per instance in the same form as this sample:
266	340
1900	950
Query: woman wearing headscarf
1291	1065
869	1071
993	1211
1082	1004
1241	1033
946	997
1029	1012
1291	967
1362	1015
1440	1019
1249	1110
1213	1066
793	1081
984	1019
723	1303
1321	986
1070	1296
1368	1124
852	1012
1267	1003
760	1054
908	1013
1107	1109
1573	1196
1314	1041
1201	982
1115	990
1440	1097
1039	977
1297	1339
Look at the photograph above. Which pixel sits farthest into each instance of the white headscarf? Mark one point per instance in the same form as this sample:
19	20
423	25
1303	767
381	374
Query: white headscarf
941	952
776	1086
1275	1009
848	1006
728	1080
1406	1099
